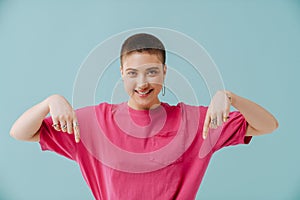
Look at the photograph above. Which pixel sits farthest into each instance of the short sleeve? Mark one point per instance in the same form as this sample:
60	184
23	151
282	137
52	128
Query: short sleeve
57	141
233	131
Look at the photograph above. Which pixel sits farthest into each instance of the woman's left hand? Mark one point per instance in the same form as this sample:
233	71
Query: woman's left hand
218	111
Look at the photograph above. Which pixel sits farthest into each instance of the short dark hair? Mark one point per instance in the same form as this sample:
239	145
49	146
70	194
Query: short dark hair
143	42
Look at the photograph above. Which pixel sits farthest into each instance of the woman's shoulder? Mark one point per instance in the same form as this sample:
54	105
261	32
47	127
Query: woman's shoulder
99	106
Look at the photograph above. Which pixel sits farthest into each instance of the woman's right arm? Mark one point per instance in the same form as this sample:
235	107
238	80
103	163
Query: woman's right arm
27	126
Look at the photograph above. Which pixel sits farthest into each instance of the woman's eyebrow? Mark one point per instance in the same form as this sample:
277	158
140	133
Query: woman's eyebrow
151	68
131	69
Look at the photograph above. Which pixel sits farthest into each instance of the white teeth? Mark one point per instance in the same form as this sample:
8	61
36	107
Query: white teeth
143	92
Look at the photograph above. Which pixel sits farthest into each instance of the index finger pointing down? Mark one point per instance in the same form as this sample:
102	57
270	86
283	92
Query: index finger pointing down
76	131
206	126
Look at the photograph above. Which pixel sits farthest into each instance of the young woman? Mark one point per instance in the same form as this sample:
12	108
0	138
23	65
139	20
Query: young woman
143	148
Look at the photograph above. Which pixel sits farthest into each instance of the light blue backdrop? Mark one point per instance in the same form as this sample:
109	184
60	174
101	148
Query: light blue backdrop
256	45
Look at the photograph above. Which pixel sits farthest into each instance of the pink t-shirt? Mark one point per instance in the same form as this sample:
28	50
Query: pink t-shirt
154	154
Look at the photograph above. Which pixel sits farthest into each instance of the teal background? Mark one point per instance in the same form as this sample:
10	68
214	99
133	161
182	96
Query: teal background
255	44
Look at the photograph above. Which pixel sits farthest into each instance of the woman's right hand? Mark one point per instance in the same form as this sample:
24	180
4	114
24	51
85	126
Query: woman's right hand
27	126
63	116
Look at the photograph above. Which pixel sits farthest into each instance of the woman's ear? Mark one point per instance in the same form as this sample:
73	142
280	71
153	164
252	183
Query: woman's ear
121	71
165	69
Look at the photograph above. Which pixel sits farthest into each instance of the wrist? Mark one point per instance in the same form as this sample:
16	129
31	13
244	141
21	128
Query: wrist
229	96
46	104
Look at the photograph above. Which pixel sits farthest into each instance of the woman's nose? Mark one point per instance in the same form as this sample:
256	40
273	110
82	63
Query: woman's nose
142	82
143	85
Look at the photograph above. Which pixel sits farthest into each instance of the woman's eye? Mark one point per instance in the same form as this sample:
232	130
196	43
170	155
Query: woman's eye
131	73
152	72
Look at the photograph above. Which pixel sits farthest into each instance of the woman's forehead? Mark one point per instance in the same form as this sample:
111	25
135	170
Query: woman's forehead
141	60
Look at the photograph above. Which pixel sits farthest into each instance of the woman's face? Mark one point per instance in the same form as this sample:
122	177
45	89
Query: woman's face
143	75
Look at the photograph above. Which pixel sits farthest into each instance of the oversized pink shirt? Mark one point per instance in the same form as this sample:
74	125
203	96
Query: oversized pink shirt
154	154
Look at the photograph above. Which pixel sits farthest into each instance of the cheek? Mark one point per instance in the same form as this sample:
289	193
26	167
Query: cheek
128	85
157	81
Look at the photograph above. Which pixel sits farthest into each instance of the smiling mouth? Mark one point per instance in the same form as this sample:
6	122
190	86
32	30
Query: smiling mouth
145	93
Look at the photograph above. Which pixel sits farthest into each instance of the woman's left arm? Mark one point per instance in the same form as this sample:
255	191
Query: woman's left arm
260	121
